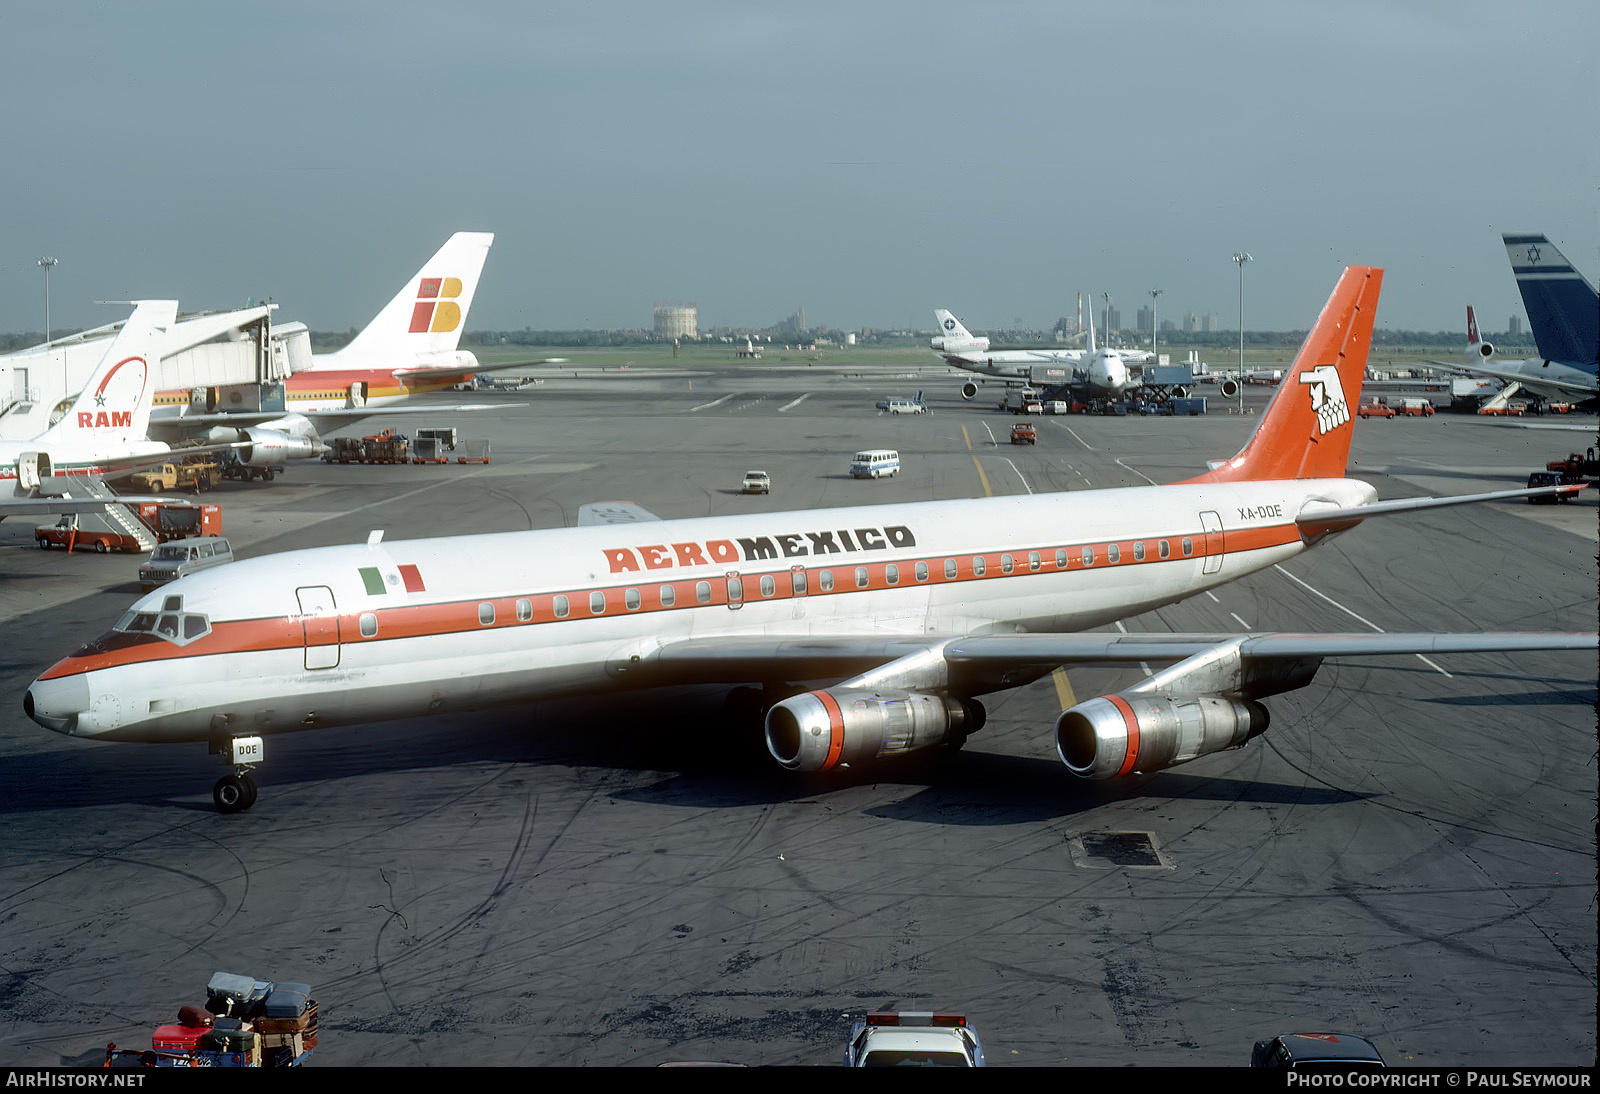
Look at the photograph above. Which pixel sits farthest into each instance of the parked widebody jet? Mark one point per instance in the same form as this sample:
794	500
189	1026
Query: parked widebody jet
1564	315
912	611
1098	371
410	348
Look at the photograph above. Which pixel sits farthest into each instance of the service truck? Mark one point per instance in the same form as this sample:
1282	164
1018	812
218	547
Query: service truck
1406	406
180	520
66	533
913	1038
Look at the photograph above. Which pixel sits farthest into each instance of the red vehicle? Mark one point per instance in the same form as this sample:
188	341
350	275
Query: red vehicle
66	533
180	520
1373	410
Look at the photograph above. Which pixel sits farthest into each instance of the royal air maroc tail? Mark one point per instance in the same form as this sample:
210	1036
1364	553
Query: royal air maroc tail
910	611
103	432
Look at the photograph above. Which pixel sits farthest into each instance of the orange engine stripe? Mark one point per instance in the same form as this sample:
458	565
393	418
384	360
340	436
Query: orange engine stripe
1133	733
835	730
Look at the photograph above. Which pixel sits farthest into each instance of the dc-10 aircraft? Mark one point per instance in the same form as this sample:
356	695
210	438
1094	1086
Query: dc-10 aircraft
1100	371
409	348
914	609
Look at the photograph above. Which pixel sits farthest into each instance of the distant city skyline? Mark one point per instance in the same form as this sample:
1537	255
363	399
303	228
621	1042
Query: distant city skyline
871	161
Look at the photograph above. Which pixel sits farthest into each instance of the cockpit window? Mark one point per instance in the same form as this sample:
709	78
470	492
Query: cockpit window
171	623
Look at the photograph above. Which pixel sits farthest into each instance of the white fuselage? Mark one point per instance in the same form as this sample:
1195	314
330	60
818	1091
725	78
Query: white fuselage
349	634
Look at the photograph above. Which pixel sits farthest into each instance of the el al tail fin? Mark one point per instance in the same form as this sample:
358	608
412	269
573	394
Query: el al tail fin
1305	430
426	316
1563	307
114	406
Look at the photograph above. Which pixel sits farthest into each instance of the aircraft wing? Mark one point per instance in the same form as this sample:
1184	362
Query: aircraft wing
325	420
42	505
988	661
1583	389
436	373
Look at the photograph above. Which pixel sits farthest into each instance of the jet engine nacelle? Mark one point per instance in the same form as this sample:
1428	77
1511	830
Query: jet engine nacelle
269	448
1229	388
821	730
1485	350
969	390
1116	735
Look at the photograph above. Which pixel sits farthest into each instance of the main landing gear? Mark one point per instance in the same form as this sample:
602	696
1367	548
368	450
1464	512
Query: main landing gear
236	792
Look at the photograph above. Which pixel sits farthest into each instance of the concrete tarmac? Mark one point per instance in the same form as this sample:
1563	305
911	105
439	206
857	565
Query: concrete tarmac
1407	854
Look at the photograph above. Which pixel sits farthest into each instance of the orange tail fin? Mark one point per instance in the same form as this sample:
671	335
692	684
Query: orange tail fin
1305	432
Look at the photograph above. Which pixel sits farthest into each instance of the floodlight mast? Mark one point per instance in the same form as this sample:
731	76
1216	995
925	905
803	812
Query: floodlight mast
1241	257
1153	328
47	263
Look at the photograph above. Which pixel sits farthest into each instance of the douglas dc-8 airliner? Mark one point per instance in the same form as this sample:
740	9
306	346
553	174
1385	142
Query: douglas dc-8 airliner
915	609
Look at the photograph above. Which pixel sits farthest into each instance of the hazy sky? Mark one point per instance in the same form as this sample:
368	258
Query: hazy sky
868	161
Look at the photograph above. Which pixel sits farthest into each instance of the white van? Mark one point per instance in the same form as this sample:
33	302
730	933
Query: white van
171	561
874	463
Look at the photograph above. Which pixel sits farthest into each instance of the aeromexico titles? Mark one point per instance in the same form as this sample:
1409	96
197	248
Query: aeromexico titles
903	614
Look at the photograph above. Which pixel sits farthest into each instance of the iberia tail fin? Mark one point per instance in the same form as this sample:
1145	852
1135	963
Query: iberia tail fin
425	317
1305	431
114	406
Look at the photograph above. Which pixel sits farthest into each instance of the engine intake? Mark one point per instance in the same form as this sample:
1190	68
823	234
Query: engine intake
821	730
969	390
269	448
1116	735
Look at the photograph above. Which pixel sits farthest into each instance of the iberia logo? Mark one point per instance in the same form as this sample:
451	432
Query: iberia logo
101	418
437	311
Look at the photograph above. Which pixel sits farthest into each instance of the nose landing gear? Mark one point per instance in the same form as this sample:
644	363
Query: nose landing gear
236	792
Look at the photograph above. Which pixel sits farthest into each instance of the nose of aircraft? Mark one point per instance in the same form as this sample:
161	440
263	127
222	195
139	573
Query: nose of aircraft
56	704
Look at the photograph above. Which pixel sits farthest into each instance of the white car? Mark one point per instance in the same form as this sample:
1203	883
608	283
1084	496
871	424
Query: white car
913	1038
757	482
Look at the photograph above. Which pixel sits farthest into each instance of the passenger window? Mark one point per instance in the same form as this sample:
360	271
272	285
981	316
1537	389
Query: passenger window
369	624
1061	560
797	582
597	603
524	610
562	607
1138	551
861	577
669	596
630	600
825	581
768	586
485	613
978	568
1188	546
949	569
1006	564
735	590
891	574
922	571
1162	550
1113	554
1033	560
1088	556
702	592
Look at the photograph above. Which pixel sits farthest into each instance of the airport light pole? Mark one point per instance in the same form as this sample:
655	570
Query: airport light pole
1153	328
1241	257
47	263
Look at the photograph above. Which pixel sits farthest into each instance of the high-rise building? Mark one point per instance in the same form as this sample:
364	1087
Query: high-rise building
1209	322
1113	318
677	320
1147	317
1515	326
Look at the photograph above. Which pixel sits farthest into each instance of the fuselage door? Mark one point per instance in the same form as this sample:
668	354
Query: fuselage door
319	619
358	394
1214	543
